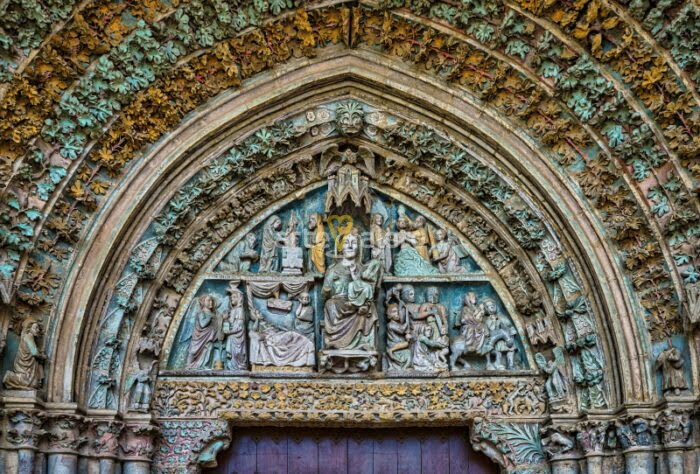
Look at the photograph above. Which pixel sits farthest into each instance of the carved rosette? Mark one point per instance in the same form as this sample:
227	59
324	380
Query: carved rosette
138	442
23	429
65	433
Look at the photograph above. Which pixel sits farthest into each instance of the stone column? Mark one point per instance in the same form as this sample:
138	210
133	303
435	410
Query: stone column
636	436
104	445
137	446
22	433
65	439
591	438
559	442
675	431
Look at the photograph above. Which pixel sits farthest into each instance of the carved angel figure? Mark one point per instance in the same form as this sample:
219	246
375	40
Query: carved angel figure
27	371
556	384
671	362
206	333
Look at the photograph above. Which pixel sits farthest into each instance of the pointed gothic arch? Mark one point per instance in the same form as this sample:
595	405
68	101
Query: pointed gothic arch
441	149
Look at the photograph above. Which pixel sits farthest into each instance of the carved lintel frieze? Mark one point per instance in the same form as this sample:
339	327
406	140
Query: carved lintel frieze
385	401
138	441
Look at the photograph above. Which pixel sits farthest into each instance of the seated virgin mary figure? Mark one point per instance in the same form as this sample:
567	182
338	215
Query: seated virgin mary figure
349	315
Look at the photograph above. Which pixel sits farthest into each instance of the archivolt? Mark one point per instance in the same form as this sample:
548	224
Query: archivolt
174	161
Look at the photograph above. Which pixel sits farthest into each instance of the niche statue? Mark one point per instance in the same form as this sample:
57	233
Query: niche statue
27	370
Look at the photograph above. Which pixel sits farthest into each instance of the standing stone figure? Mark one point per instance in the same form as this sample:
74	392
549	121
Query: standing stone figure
27	371
422	234
234	330
430	335
139	387
292	258
316	244
398	338
379	240
272	238
206	333
447	254
242	256
671	362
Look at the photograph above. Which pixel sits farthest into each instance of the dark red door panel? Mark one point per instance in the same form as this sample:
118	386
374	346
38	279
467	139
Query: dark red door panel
352	451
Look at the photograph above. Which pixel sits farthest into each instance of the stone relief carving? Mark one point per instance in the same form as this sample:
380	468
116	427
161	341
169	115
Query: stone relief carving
670	362
234	331
515	447
355	401
493	247
27	370
286	302
557	384
206	334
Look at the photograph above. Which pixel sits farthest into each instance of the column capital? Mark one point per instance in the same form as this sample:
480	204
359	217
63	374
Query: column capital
65	433
23	429
137	441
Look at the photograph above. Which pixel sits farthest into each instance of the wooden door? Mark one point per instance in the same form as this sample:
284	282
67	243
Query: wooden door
352	451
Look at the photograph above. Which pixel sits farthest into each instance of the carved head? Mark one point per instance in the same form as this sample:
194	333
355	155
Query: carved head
470	298
304	298
275	223
377	219
351	245
432	294
206	302
349	118
440	235
490	306
251	239
392	312
313	221
31	326
419	223
408	294
402	223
